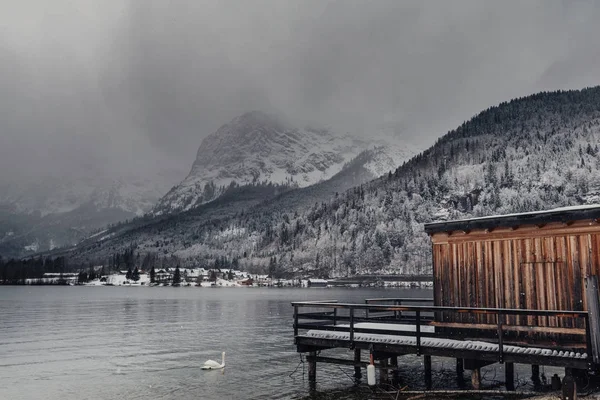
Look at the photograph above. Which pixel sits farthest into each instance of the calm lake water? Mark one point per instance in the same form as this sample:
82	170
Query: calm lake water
149	343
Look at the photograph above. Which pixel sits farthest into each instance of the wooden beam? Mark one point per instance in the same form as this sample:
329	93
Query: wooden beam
522	231
491	356
472	364
514	328
341	361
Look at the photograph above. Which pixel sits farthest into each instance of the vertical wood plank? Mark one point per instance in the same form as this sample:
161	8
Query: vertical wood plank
481	281
584	256
552	291
499	274
438	272
509	280
529	282
577	272
451	288
491	292
560	278
518	273
460	262
540	289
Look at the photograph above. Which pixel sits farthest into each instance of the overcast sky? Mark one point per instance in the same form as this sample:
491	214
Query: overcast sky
115	86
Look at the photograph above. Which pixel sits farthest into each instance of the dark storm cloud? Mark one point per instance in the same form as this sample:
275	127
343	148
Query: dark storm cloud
123	85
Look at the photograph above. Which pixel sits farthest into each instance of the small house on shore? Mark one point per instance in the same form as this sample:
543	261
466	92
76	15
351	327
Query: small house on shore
317	283
535	260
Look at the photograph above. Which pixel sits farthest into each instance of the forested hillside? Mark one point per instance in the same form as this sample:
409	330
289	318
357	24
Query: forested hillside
532	153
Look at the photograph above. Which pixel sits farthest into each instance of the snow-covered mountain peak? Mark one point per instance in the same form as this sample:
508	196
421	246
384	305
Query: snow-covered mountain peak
259	148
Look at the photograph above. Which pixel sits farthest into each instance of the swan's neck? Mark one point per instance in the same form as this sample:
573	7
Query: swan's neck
223	358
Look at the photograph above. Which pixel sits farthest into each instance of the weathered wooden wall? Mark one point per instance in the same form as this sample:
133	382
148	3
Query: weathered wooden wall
533	267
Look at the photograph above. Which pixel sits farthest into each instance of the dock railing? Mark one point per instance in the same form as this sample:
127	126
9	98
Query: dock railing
344	317
396	301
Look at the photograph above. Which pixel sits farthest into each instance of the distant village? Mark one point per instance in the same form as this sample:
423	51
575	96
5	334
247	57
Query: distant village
199	277
189	277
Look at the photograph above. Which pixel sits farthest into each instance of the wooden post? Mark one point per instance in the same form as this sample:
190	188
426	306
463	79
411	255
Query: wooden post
569	387
383	371
460	370
476	378
295	322
509	376
394	363
418	328
427	365
593	320
312	366
357	371
535	374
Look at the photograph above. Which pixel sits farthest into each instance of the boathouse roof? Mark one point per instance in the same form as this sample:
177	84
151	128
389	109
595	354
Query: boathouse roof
563	214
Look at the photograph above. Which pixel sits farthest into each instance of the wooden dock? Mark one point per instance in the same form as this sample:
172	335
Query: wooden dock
391	327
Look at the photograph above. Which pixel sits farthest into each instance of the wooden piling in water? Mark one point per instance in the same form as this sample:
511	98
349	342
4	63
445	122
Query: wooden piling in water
569	387
357	371
395	373
509	376
383	372
427	365
535	374
312	366
460	371
476	378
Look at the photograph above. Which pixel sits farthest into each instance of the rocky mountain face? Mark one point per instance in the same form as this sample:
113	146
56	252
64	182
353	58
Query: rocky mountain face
534	153
257	148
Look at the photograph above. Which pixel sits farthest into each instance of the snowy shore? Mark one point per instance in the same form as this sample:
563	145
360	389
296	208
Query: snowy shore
144	280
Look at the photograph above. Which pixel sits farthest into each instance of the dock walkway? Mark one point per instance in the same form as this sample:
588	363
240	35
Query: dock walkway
387	331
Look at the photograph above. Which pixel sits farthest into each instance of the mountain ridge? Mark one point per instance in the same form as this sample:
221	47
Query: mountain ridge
532	153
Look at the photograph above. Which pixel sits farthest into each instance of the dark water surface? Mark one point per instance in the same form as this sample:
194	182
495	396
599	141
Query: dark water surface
149	343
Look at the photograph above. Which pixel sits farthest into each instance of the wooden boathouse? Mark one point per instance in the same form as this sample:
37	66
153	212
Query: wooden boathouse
536	261
518	288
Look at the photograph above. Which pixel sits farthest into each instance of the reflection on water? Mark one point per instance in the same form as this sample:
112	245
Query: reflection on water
149	343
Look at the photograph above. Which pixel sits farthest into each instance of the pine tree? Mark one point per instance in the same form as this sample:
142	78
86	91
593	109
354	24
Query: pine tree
272	267
82	277
135	276
128	275
177	277
152	275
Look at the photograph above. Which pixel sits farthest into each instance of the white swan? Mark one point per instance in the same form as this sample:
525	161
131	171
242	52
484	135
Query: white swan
211	364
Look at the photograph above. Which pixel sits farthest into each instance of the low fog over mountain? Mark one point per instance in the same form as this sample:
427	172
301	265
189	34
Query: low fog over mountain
111	110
